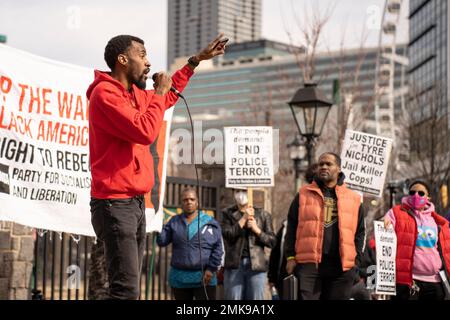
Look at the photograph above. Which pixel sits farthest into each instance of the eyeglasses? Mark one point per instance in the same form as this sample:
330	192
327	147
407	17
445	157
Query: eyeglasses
412	192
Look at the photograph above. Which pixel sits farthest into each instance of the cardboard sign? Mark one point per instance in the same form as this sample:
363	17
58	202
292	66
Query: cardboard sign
365	160
386	251
249	157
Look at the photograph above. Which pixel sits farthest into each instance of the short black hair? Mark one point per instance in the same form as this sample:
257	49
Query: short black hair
189	189
421	182
118	45
338	158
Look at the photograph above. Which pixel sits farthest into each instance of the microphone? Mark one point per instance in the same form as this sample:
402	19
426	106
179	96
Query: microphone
178	93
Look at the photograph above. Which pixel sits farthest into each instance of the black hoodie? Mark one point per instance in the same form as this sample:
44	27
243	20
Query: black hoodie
330	250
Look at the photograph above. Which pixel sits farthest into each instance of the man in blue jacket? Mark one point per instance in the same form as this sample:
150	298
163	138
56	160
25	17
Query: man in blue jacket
193	270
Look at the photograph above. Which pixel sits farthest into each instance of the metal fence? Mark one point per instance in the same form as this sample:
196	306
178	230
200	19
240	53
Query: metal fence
62	262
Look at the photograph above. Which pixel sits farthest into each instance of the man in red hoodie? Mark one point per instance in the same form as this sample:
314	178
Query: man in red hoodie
124	120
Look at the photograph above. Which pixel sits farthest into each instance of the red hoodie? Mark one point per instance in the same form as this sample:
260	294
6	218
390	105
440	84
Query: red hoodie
122	125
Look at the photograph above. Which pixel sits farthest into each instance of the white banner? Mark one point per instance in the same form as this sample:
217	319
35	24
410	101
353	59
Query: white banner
386	252
249	157
365	160
44	149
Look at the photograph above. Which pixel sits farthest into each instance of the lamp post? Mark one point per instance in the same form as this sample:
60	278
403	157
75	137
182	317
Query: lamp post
310	109
297	153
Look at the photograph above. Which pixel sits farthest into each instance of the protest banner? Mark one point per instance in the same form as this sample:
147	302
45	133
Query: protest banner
365	160
44	146
386	252
249	157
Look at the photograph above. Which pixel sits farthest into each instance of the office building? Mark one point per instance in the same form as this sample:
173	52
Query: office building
193	23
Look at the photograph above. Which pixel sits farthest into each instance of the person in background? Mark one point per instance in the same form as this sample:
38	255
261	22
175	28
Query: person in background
197	250
325	234
423	245
277	261
246	232
368	260
277	264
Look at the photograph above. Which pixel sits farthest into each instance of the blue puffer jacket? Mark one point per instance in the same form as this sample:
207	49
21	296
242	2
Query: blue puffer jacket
185	243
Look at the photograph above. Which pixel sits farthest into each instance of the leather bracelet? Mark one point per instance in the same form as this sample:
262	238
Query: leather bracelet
192	62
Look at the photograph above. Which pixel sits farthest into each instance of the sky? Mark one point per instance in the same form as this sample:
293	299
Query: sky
76	31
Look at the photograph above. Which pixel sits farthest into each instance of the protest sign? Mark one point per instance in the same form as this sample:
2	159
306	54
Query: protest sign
249	157
386	252
365	160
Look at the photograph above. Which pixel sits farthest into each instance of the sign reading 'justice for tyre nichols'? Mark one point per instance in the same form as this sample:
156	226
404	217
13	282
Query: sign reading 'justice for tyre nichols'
365	160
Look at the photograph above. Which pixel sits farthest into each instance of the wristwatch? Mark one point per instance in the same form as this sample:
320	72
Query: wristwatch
193	61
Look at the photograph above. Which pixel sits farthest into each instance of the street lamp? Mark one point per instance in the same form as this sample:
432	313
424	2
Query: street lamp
310	109
297	153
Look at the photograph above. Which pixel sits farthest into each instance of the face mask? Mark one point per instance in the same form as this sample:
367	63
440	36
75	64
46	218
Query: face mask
417	202
241	198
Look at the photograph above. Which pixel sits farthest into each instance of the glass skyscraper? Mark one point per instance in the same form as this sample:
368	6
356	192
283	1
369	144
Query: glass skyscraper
193	23
428	55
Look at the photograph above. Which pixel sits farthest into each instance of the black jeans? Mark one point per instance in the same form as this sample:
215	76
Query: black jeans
120	225
428	291
197	293
324	283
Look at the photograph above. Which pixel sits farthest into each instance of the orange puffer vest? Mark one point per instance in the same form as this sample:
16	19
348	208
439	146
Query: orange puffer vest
310	229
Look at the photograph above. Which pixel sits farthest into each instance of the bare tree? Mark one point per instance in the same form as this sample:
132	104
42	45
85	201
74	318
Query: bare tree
310	27
352	104
427	126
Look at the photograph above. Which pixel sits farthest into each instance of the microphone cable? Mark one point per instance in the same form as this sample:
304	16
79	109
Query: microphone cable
198	193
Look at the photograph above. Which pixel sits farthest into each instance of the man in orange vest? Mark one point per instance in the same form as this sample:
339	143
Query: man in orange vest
325	234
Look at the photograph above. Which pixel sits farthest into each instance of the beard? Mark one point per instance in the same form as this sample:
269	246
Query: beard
141	84
326	178
138	81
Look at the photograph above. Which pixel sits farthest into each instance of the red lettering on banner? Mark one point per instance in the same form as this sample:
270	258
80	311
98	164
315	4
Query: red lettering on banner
23	87
87	109
17	124
52	133
2	118
34	98
68	110
79	109
63	133
5	84
71	135
24	126
65	105
38	98
41	133
46	101
12	123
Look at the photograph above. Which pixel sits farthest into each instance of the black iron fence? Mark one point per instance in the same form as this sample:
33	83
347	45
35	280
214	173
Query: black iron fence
63	263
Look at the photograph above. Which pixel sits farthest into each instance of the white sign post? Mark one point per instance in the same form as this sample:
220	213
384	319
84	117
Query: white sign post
365	160
248	157
386	251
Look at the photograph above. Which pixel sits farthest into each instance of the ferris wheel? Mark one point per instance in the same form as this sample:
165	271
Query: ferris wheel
392	63
391	72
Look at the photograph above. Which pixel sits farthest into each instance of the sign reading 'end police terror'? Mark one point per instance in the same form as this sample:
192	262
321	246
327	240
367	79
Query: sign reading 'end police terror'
365	160
248	157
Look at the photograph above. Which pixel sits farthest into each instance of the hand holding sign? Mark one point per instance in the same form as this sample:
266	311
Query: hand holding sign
253	226
387	223
250	211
